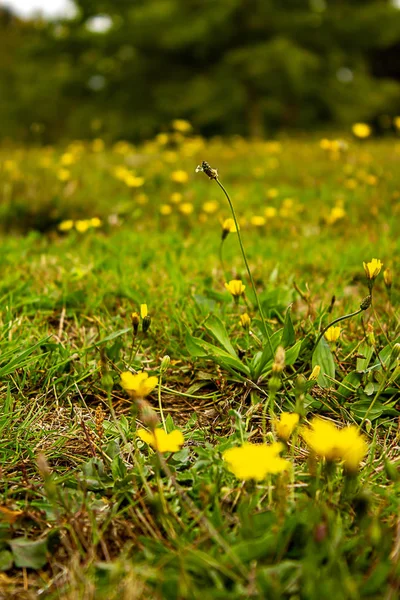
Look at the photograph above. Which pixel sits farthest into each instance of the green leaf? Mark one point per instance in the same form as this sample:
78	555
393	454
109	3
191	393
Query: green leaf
28	553
349	385
361	408
20	360
293	353
288	333
323	357
6	560
202	349
215	326
260	361
367	351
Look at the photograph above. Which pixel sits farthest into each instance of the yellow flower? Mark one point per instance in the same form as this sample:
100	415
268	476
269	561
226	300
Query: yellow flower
95	222
331	443
388	278
63	174
285	426
210	207
181	125
352	448
315	373
186	208
361	130
162	441
337	213
82	225
132	181
179	176
176	197
396	122
245	320
272	193
332	334
165	209
229	226
257	220
143	311
325	144
66	225
67	159
373	268
139	385
322	437
255	461
235	287
270	212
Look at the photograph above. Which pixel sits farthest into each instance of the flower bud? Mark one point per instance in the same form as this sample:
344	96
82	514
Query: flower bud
388	278
279	362
395	353
135	319
366	303
146	323
166	361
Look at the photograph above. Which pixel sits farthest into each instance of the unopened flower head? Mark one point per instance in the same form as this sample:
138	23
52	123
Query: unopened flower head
388	278
209	171
245	320
373	268
162	441
228	226
139	385
315	373
135	319
279	360
332	334
255	461
235	287
285	425
143	310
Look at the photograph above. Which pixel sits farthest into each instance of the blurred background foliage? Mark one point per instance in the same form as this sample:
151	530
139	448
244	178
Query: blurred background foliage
126	68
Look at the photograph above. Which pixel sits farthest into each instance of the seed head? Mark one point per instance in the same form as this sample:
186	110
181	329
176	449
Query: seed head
209	171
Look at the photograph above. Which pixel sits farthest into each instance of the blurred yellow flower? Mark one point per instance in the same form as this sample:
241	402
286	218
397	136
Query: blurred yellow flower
373	268
67	159
388	277
162	441
396	122
257	220
229	226
272	193
66	225
337	213
143	310
255	461
176	197
361	130
165	209
245	320
235	287
179	176
162	139
63	174
325	144
285	425
82	225
210	207
139	385
95	222
186	208
270	212
133	181
181	125
332	334
331	443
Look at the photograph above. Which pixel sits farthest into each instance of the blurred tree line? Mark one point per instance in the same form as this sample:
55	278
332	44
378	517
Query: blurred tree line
125	68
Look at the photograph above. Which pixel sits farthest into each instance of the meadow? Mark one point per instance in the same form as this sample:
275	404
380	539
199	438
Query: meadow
169	430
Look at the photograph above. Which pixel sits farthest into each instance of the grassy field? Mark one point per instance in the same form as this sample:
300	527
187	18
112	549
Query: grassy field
249	495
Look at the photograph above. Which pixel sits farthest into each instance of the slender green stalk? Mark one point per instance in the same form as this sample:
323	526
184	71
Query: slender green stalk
353	314
160	405
247	264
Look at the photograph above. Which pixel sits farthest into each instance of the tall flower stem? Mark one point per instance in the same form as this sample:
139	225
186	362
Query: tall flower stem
365	304
247	264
